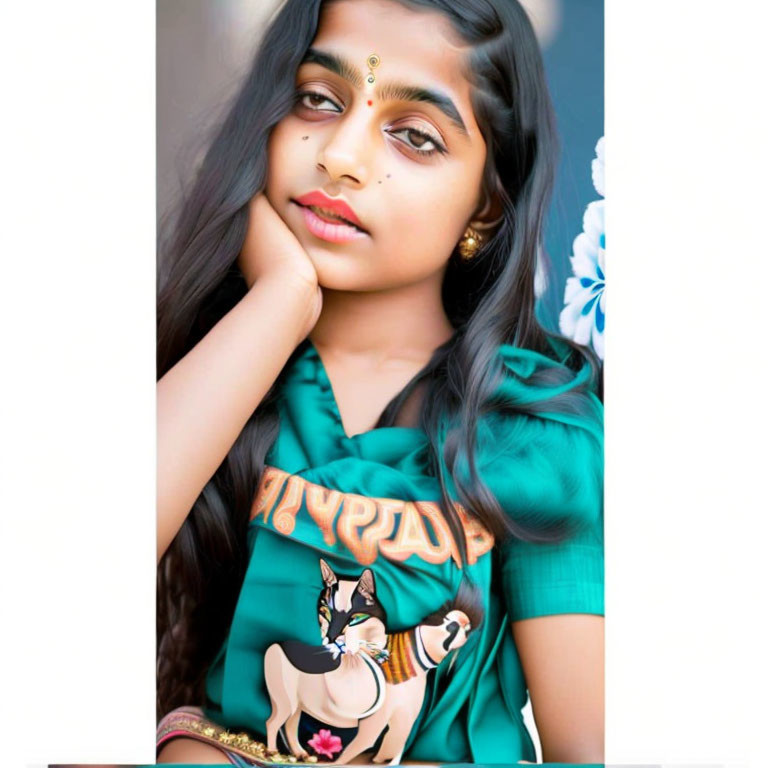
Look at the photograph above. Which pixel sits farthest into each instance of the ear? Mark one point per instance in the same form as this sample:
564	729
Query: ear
329	577
490	211
366	585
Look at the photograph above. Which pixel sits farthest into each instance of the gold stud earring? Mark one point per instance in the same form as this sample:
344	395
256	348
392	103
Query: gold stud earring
470	244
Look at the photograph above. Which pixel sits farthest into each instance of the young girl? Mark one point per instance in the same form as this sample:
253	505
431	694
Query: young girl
379	479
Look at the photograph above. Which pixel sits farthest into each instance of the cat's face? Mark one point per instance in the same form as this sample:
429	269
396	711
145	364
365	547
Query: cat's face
349	612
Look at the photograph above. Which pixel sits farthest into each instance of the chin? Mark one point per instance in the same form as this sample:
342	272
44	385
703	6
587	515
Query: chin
343	270
341	277
336	282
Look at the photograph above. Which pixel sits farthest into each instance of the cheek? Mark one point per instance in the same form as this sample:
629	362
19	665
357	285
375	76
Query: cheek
373	631
427	218
284	158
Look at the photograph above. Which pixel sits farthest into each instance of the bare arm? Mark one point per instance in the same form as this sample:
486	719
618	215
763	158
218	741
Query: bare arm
204	401
563	660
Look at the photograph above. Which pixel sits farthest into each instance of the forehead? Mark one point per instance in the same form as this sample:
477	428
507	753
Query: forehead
419	47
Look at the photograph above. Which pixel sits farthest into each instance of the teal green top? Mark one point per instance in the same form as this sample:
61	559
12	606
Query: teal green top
538	467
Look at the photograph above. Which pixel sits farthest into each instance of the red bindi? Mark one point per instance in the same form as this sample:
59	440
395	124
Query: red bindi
370	103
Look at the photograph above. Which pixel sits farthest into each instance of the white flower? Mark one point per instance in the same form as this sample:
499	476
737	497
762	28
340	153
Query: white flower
598	167
583	317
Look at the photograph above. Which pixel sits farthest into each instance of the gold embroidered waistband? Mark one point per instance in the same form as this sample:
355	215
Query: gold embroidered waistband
189	721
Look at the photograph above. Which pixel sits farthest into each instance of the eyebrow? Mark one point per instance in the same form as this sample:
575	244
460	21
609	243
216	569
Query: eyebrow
391	90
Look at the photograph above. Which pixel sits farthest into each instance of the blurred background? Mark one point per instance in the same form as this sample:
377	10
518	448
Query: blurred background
204	48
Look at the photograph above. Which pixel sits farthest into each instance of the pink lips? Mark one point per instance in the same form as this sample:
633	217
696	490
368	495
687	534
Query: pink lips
325	230
325	227
335	204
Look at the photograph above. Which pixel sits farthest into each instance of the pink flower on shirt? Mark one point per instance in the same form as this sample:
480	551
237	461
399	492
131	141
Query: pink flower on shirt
325	743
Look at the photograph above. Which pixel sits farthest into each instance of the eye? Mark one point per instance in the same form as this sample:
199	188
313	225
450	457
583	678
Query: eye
422	138
416	139
358	618
312	99
325	612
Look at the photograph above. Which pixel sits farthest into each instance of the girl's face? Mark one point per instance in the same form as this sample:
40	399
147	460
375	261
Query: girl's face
404	153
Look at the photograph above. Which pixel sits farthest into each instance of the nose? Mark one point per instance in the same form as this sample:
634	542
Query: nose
345	155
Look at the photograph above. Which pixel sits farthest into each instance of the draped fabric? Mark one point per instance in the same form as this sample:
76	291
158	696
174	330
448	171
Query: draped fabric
368	501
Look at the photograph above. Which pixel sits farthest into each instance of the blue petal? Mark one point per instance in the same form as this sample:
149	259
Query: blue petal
585	309
586	281
598	287
599	272
602	240
599	318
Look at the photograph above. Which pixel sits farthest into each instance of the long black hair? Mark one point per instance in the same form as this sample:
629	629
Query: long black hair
489	300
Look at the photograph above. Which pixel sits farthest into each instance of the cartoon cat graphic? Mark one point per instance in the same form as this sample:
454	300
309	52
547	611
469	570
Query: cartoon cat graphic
361	676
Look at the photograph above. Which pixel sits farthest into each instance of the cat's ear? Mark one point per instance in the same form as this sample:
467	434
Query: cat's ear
366	586
329	577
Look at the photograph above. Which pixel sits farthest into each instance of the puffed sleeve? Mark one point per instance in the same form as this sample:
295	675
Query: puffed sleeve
545	467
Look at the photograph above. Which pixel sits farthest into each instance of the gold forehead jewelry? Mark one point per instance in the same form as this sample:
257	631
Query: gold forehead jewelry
372	61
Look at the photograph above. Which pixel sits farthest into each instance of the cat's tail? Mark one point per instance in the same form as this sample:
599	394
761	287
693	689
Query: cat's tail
468	599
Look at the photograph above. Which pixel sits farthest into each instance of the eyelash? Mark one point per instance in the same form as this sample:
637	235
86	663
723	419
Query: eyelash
422	152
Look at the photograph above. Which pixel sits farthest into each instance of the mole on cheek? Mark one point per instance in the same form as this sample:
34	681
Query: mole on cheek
304	138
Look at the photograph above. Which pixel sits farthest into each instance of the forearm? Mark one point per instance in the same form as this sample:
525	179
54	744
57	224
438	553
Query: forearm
587	749
204	401
563	661
572	726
